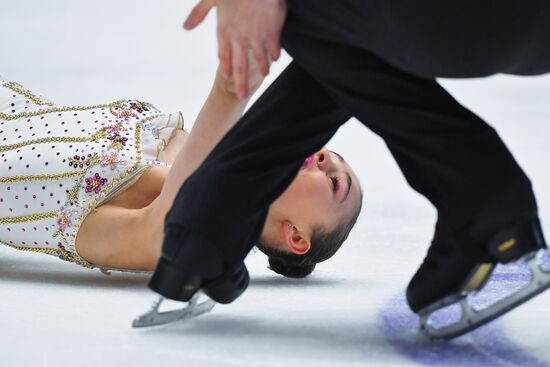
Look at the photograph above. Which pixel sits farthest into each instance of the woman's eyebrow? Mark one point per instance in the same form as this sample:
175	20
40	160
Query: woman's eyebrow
348	179
338	155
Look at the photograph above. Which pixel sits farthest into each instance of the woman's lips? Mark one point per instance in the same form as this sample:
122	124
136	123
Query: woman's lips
308	162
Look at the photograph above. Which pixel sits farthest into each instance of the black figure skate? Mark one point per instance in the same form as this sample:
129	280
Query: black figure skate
188	268
443	290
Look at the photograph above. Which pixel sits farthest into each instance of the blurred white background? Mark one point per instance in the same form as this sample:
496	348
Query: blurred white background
52	313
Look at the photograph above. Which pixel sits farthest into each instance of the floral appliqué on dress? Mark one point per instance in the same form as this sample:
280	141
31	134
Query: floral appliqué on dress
111	159
95	183
117	141
65	220
126	110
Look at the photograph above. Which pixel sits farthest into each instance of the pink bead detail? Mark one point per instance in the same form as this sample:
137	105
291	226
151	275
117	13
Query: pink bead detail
95	183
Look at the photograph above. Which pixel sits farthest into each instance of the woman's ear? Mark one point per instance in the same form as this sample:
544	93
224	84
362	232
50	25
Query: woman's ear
295	241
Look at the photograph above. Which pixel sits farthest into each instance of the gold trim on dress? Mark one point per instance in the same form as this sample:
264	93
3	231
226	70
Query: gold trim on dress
39	112
96	136
18	88
58	139
28	218
47	250
56	176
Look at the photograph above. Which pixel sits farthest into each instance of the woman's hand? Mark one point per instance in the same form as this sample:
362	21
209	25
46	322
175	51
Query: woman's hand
255	78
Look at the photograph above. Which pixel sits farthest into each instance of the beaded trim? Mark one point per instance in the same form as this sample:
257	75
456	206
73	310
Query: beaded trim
18	88
100	134
39	112
28	218
59	253
5	148
49	251
14	179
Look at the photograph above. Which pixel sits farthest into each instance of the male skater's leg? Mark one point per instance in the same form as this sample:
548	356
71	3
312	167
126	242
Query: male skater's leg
446	152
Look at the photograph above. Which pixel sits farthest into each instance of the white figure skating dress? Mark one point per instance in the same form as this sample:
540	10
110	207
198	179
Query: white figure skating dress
59	163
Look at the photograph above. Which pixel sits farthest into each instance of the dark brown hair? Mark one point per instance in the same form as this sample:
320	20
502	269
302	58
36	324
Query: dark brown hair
323	246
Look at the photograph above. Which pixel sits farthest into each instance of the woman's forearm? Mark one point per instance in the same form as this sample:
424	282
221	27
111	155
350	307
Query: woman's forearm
219	113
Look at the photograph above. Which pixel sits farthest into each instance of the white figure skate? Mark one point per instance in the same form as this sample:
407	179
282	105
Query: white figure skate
193	309
459	313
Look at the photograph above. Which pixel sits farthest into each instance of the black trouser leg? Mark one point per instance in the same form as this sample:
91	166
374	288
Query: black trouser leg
447	153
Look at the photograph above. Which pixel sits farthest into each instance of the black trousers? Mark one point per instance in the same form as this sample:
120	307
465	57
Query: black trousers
377	61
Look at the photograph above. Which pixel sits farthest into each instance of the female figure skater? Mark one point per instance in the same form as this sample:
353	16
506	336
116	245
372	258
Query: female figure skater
92	184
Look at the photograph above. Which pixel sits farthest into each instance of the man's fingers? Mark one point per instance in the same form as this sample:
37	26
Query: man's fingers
224	53
240	69
260	54
199	12
274	48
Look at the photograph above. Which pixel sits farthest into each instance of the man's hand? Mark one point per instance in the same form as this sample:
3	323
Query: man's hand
244	25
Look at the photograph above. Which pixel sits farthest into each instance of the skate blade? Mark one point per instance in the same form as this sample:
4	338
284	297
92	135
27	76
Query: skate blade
472	318
192	310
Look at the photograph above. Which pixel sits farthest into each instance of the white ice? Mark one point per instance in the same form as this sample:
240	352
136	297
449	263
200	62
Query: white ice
350	312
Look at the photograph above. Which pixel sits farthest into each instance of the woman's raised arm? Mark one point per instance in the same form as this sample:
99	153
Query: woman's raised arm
219	113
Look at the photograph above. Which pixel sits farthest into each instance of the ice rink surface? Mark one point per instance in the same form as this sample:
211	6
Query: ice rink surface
350	312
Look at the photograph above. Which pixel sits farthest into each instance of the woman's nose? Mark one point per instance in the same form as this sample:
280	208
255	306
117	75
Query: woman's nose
324	160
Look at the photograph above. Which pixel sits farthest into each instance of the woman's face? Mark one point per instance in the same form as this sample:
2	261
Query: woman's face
325	192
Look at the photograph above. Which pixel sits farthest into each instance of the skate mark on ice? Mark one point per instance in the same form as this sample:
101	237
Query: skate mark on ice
486	346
